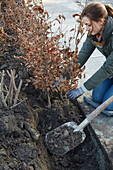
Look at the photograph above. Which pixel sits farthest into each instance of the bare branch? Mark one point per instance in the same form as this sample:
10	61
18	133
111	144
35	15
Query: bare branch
6	94
1	89
17	93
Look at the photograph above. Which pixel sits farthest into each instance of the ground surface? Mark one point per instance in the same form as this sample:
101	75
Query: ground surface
23	128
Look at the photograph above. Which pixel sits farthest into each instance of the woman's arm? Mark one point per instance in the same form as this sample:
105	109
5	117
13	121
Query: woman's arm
106	71
85	52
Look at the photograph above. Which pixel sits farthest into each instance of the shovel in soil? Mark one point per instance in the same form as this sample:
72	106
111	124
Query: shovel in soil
69	135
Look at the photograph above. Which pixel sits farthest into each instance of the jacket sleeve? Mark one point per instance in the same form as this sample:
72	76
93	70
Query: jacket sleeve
85	52
106	71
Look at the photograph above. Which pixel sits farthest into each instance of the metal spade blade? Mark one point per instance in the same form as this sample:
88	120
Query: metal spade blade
64	138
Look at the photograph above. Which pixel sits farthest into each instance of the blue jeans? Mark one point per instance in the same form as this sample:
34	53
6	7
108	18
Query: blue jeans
103	91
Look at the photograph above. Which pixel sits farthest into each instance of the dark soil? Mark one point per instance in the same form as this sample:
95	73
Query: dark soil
23	128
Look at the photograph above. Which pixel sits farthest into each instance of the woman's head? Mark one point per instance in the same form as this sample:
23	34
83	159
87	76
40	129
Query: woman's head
95	11
94	16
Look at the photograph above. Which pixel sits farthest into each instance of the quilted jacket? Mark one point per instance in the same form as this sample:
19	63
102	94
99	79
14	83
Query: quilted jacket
106	48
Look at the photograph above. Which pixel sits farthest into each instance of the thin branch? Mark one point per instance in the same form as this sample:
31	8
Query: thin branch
17	92
1	89
9	93
49	101
10	88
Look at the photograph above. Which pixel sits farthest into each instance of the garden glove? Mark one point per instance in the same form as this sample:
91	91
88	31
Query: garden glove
73	94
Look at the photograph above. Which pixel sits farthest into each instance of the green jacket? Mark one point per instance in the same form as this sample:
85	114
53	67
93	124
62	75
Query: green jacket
106	48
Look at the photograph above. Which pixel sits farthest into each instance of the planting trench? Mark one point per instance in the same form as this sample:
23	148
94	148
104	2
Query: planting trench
89	155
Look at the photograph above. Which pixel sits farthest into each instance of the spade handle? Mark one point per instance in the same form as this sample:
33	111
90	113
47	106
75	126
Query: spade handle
95	113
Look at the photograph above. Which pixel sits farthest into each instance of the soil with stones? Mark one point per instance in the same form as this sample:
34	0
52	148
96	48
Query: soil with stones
23	128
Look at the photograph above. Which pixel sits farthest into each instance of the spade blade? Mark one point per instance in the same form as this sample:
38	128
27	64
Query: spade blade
64	138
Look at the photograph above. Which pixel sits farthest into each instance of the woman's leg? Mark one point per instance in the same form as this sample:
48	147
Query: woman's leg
108	94
99	92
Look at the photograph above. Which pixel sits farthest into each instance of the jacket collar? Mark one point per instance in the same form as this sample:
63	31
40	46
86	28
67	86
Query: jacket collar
108	29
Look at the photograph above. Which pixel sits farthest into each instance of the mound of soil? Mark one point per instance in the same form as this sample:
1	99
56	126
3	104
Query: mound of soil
23	128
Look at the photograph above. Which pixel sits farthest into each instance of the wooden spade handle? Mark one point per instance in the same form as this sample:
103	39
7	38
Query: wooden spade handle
95	113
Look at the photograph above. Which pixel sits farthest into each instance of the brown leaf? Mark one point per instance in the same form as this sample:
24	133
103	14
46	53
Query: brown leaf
59	16
46	13
62	35
72	29
74	15
63	17
79	20
80	76
39	8
78	40
76	50
107	143
58	20
29	1
83	68
57	36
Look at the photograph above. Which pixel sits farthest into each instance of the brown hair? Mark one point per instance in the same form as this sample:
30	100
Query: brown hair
109	10
96	10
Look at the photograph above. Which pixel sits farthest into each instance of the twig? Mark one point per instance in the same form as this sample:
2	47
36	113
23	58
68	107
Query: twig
49	102
17	92
11	86
17	103
1	89
9	93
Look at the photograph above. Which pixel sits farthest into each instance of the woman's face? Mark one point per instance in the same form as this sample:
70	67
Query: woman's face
93	27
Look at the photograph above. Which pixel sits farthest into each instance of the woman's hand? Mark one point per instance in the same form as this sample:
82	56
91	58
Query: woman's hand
73	94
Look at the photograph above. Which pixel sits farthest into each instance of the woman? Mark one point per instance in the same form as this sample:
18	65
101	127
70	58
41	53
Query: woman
99	24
